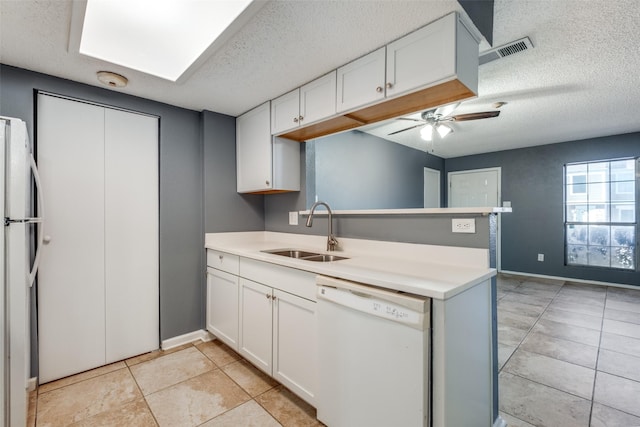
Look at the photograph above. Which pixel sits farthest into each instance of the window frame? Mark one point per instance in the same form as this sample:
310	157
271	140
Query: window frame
610	223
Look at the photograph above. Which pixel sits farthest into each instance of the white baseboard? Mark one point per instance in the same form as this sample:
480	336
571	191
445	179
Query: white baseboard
190	337
569	279
32	384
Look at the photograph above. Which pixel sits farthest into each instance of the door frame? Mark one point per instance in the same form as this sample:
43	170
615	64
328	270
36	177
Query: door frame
499	219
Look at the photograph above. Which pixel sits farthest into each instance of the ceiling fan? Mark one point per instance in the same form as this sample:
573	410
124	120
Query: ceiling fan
435	120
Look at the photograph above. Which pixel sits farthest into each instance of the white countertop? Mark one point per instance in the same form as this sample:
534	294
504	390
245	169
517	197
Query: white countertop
438	272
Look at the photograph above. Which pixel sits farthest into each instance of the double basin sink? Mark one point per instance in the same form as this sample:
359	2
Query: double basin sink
304	255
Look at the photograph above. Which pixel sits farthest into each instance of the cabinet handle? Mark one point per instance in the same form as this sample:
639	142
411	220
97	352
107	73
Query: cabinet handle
220	257
301	118
268	296
267	182
389	85
295	120
379	89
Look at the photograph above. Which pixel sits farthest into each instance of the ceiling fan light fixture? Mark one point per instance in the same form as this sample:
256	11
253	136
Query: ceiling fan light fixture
443	130
426	132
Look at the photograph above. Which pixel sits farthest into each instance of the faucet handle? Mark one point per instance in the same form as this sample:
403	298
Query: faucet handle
332	242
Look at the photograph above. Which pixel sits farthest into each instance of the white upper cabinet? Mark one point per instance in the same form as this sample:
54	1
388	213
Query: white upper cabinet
285	112
264	164
427	56
361	82
424	56
312	102
442	51
318	99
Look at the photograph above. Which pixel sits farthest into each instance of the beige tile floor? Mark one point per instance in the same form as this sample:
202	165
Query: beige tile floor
199	384
569	355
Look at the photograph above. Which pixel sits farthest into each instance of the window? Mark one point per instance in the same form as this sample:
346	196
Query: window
600	214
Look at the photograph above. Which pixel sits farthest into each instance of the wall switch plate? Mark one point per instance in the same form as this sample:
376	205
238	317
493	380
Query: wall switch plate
541	257
463	225
293	218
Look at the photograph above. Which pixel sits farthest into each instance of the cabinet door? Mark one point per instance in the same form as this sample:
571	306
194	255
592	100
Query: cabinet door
131	234
422	58
285	112
294	344
256	323
222	306
253	150
318	99
361	81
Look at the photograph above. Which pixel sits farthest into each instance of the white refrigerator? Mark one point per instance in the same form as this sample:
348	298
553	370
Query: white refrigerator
17	172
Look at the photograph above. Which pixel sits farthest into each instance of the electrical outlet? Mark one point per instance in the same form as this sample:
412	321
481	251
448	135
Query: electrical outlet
293	218
463	225
541	257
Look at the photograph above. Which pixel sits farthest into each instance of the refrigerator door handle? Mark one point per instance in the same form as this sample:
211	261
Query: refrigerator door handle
39	220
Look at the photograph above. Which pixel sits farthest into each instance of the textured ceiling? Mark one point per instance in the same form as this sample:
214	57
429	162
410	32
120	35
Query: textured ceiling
581	79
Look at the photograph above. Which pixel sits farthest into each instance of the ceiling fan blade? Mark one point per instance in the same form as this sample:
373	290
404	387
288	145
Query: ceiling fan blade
406	129
475	116
410	119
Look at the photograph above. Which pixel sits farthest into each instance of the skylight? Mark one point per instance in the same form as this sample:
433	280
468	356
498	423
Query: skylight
159	37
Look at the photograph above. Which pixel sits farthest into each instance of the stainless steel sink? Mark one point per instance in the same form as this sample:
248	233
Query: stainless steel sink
305	255
292	253
324	258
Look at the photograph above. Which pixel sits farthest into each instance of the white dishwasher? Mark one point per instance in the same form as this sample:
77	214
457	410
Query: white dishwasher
374	356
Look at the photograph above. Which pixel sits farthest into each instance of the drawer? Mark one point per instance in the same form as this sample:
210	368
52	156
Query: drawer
296	282
223	261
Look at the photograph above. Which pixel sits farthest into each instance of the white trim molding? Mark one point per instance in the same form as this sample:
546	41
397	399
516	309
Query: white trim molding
568	279
187	338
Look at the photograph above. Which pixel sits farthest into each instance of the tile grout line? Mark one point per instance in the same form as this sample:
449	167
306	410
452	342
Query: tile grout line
135	380
595	374
607	295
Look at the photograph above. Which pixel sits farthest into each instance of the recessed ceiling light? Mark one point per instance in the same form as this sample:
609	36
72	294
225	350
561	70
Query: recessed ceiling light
163	38
112	79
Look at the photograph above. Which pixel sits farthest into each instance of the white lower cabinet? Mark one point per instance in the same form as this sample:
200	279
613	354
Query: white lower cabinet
294	344
277	334
273	329
222	306
256	325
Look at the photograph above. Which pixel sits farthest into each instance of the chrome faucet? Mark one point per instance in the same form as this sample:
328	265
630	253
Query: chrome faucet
332	242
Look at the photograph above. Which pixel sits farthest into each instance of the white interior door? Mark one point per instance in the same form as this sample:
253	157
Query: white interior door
131	234
99	275
474	188
431	188
477	188
71	311
3	353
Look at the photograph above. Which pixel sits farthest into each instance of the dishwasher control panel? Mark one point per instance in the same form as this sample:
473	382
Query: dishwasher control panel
365	303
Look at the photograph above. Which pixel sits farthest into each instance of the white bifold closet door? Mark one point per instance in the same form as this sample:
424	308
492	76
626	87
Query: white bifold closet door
98	282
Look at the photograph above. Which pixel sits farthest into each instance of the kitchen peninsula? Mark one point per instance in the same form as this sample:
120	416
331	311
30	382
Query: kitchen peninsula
455	282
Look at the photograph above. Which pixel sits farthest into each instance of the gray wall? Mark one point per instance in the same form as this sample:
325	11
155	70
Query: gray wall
357	170
532	179
224	208
432	229
181	188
